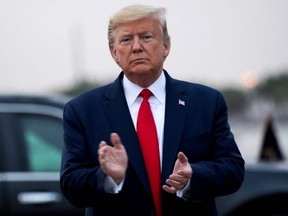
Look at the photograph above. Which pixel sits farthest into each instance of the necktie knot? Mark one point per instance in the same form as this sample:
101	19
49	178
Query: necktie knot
145	93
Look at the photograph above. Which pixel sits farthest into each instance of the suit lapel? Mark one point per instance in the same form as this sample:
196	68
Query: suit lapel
176	110
119	117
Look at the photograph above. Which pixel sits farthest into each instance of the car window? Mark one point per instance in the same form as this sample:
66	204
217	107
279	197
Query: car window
43	139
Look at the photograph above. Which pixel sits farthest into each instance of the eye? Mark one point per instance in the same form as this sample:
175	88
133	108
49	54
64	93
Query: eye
147	37
125	40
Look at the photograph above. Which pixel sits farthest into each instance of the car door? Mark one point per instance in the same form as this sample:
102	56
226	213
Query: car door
32	140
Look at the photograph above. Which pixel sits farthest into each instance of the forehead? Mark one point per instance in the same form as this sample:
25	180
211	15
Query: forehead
148	24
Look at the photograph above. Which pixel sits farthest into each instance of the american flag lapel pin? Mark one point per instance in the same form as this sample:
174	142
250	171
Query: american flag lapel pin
181	102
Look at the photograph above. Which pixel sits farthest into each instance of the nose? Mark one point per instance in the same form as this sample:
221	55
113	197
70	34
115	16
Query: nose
137	45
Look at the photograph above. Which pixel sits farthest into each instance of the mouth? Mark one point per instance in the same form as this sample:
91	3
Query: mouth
139	60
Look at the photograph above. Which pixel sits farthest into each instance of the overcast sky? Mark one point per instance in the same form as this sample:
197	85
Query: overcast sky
45	45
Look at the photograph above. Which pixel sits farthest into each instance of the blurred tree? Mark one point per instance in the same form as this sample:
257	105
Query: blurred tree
235	99
275	87
80	87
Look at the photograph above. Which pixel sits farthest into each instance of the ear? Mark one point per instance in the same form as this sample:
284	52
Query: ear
166	49
114	54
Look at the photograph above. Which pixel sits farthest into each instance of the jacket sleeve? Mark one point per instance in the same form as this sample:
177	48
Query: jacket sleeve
221	169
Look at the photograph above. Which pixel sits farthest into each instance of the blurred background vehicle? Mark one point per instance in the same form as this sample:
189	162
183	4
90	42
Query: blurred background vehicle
30	154
31	139
265	187
264	192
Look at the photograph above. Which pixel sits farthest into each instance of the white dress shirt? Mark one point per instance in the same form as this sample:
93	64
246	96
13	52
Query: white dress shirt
157	105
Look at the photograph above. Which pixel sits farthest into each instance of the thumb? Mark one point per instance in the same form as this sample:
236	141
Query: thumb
115	140
182	157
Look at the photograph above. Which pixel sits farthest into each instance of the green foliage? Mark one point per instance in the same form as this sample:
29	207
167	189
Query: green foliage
235	99
275	87
80	87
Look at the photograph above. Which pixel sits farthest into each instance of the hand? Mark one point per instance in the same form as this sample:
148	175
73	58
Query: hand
113	159
181	175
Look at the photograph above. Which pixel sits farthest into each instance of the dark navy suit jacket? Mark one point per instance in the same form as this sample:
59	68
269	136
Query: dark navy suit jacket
196	123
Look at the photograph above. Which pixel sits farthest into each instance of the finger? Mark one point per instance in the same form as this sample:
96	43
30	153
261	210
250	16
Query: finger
182	157
100	147
102	150
169	189
102	144
115	140
175	184
178	178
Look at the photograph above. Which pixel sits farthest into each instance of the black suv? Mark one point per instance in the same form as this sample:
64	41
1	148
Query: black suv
31	139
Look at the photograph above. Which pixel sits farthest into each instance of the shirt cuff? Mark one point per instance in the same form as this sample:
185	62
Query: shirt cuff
111	187
185	192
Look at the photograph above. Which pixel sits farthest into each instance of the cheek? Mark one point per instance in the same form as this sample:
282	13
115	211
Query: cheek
122	54
158	52
117	56
122	60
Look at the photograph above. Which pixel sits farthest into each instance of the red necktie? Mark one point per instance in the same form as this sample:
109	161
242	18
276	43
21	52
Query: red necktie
148	139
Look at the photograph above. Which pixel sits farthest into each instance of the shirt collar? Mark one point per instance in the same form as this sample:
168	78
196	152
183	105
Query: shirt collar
132	90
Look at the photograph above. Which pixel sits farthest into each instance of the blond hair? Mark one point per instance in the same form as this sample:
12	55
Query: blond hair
137	12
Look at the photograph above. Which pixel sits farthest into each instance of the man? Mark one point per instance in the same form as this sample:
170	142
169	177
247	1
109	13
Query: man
104	167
